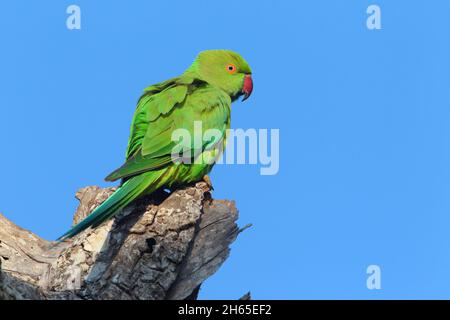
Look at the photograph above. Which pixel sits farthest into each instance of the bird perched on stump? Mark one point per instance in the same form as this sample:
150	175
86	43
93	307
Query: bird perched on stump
202	94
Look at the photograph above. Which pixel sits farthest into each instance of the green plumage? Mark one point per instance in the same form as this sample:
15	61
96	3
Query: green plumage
203	93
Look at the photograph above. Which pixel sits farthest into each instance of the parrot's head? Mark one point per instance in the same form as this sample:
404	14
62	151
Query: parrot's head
226	70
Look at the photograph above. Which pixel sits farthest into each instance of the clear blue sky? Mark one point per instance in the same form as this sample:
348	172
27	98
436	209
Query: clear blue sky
364	119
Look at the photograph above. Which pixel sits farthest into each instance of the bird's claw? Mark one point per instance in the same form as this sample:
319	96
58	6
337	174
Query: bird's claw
207	180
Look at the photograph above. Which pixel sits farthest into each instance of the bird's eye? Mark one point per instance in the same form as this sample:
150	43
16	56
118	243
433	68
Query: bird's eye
231	68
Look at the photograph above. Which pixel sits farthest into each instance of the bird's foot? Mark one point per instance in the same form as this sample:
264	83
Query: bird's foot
207	180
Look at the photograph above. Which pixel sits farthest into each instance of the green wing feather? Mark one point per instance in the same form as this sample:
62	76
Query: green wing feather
159	113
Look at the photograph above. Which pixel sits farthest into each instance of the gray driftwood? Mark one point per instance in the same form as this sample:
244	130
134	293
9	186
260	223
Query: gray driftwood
160	247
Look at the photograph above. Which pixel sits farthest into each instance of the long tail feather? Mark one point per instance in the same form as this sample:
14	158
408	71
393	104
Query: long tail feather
129	191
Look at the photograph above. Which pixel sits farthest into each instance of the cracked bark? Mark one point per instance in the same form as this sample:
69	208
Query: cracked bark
159	247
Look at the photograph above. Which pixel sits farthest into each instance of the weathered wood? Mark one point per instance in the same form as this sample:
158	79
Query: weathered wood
159	247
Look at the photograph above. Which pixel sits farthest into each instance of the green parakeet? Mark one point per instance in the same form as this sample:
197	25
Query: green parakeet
203	93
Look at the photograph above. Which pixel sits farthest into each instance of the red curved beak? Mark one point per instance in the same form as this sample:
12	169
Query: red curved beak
248	87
